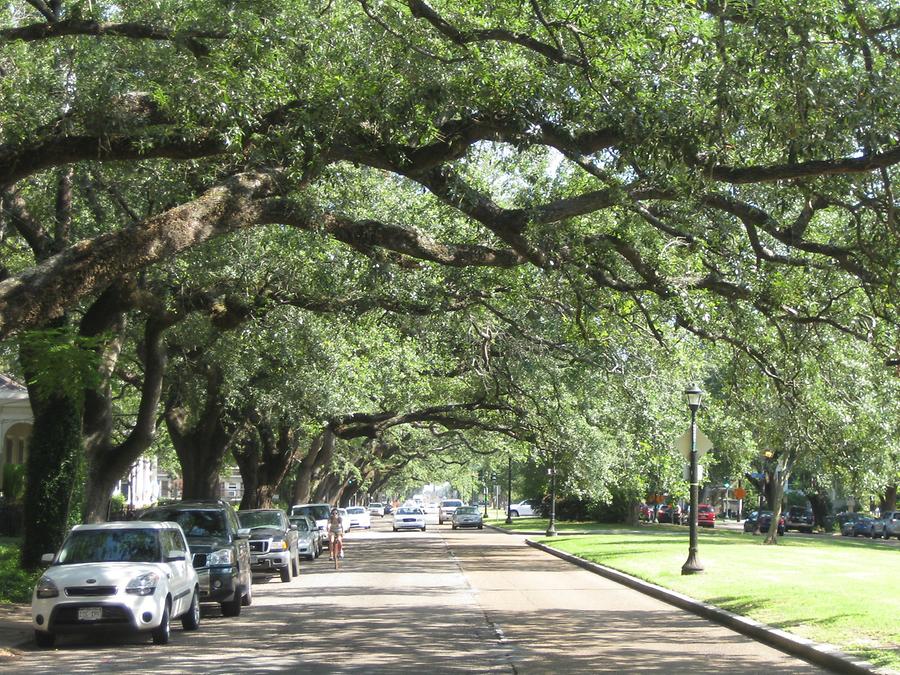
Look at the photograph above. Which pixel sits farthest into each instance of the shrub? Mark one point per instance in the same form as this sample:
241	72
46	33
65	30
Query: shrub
13	483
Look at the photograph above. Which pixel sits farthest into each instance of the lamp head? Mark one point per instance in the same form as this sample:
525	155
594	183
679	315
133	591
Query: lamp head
692	397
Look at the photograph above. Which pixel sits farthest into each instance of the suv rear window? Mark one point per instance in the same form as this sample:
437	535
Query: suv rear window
194	522
320	512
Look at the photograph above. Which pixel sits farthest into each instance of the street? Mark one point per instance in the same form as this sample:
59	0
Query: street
439	601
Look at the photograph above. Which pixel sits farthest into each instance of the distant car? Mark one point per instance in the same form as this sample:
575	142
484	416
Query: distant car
765	520
799	518
409	518
887	526
376	509
309	545
857	526
706	515
220	548
526	507
447	509
667	513
467	516
646	512
319	514
124	576
388	509
273	543
358	516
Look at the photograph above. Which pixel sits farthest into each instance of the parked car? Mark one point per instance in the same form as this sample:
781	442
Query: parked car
309	545
891	524
319	514
358	516
273	543
376	509
668	513
220	548
409	518
388	509
887	526
646	512
526	507
447	509
799	518
857	526
121	576
706	516
345	519
467	516
765	520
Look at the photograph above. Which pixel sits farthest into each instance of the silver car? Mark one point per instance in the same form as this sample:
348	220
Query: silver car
887	526
309	544
467	516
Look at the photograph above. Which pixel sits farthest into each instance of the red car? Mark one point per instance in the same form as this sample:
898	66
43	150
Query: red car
706	515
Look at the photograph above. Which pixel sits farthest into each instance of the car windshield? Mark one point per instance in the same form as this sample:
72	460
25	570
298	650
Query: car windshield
408	511
254	519
356	509
705	509
93	546
194	522
463	510
375	505
301	523
451	502
316	512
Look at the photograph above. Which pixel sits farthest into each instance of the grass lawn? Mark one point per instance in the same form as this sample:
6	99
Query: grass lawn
15	584
839	591
528	524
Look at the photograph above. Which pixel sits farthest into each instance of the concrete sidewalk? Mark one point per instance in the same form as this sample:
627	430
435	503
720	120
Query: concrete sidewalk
15	630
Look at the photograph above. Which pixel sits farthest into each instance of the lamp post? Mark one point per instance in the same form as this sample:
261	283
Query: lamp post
551	529
692	565
509	489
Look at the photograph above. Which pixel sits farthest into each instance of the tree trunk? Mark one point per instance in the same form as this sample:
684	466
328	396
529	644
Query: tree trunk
820	504
888	501
53	467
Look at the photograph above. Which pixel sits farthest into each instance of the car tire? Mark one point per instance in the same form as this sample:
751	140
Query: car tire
423	528
395	529
514	514
481	527
247	598
44	639
162	632
190	620
285	573
232	607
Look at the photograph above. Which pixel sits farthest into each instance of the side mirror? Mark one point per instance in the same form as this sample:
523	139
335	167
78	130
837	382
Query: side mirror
175	556
48	558
243	533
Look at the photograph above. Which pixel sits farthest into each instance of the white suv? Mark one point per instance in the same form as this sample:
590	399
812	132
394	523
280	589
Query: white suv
447	509
524	508
128	576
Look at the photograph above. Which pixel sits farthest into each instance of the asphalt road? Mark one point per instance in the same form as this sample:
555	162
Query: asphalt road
434	602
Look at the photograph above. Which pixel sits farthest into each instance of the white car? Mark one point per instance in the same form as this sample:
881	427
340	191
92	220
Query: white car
345	519
447	509
409	518
358	516
527	507
126	576
376	509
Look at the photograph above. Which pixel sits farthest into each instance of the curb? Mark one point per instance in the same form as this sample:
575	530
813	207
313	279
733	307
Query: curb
820	654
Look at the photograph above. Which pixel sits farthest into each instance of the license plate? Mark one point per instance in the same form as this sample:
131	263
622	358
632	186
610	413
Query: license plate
90	613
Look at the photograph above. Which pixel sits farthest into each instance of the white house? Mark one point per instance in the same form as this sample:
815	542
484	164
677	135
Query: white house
15	422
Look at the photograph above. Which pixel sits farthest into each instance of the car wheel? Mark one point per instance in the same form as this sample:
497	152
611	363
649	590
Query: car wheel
190	620
44	639
481	527
247	598
423	528
232	607
285	573
395	529
514	514
162	632
453	526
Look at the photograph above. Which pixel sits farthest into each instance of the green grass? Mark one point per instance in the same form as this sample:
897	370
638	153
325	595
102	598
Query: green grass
839	591
15	584
541	525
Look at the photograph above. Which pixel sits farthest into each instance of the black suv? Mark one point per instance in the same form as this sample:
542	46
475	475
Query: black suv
800	518
220	549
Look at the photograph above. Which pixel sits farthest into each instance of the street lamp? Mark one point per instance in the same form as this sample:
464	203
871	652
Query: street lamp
509	488
551	529
692	565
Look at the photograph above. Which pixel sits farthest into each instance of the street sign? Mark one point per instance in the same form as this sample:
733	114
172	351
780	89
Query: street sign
683	444
740	493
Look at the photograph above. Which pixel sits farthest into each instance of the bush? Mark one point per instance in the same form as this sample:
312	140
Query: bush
13	485
15	583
